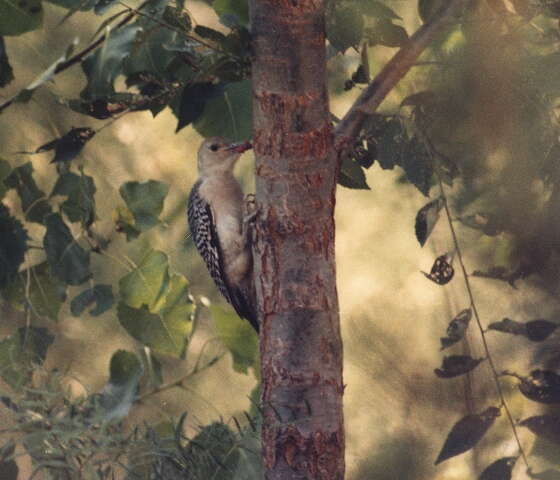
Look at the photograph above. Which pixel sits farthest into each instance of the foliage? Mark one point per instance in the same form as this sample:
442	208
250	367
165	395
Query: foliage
433	134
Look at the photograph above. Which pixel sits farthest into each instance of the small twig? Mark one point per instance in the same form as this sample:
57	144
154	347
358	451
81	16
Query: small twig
179	382
495	374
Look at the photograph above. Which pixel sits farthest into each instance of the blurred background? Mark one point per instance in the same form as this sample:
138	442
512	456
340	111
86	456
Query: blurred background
497	125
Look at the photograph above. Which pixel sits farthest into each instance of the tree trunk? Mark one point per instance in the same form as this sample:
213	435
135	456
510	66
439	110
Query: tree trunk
296	172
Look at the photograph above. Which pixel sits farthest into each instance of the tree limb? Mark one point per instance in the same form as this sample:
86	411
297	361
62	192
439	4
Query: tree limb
370	99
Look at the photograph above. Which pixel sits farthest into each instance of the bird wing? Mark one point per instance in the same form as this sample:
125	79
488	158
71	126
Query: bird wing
203	231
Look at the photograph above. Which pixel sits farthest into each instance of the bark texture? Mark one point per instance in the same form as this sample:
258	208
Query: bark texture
296	171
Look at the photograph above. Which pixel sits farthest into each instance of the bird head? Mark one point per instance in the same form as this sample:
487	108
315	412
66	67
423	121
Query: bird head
217	155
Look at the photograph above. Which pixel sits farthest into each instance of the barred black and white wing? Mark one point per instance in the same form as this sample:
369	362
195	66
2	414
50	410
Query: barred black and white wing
204	234
205	237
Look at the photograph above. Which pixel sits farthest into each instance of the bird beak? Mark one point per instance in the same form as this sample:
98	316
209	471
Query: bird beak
240	147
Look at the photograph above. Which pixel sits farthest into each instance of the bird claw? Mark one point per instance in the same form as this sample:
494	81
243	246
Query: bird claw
250	204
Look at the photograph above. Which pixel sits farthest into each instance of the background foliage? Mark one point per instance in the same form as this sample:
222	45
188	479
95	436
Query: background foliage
94	262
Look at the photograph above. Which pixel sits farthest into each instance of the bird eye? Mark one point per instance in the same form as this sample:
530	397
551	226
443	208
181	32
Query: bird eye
214	147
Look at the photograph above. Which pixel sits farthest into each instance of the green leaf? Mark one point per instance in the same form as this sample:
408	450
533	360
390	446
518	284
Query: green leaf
427	8
144	201
20	16
232	12
229	114
154	330
100	295
80	190
351	175
390	35
193	100
156	308
238	336
499	470
345	27
426	219
33	201
69	145
6	72
377	9
118	395
466	433
150	53
143	286
37	289
19	352
103	67
13	245
67	259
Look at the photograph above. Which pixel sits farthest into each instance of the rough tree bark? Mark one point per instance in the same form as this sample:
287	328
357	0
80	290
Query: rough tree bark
296	173
301	348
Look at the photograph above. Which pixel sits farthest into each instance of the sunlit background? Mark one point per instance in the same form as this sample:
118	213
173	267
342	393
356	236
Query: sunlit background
397	412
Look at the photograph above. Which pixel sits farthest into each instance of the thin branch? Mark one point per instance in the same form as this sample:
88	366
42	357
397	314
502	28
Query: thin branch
495	374
395	70
179	382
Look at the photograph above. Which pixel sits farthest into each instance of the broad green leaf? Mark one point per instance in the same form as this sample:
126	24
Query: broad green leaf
232	12
499	470
69	145
155	307
193	100
238	336
427	8
20	16
456	365
119	393
100	295
376	9
13	245
80	190
67	259
163	334
229	114
351	175
467	432
345	27
103	67
145	284
33	201
457	328
6	72
20	351
390	35
426	219
150	54
544	426
145	202
37	289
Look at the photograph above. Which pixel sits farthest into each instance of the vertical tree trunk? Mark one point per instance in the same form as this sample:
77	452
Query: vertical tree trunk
296	171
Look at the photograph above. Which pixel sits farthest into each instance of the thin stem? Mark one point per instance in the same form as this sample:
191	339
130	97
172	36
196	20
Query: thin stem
179	382
495	374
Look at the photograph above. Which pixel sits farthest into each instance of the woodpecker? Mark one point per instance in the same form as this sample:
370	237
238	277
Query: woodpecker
219	229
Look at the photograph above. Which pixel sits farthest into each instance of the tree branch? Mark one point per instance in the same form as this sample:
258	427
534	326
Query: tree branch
370	99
